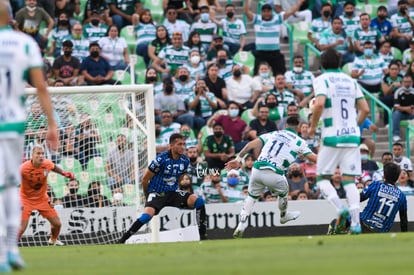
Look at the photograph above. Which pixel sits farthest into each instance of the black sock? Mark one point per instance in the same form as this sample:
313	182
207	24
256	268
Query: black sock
202	222
132	230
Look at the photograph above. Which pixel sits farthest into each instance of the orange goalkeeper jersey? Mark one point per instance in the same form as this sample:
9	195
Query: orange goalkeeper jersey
34	180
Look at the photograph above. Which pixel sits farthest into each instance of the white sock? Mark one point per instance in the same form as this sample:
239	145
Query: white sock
329	192
3	247
247	208
352	195
13	213
283	203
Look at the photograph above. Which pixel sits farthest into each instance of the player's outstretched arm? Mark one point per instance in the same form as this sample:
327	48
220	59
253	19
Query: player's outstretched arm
68	175
235	163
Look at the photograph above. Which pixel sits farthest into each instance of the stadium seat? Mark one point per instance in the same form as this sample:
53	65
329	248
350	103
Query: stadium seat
396	53
106	191
370	8
300	32
157	12
139	67
129	34
58	184
83	179
96	169
71	164
122	77
247	116
245	58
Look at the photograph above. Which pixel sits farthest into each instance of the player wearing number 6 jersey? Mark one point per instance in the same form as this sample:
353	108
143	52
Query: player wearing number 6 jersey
160	185
278	150
337	99
19	58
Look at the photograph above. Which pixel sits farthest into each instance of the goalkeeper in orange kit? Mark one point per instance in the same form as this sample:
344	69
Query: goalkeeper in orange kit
33	192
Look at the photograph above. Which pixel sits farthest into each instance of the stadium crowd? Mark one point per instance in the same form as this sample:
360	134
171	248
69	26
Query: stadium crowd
205	89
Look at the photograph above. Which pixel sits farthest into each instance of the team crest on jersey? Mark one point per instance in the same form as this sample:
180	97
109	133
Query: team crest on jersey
353	167
45	173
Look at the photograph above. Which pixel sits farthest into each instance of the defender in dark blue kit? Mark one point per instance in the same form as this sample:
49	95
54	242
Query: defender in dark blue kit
160	185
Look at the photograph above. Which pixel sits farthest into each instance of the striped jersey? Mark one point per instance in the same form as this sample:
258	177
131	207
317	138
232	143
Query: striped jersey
58	36
401	23
94	33
339	117
204	109
210	193
206	31
80	48
318	25
280	149
328	37
385	200
350	24
372	35
18	54
145	33
302	81
232	30
268	32
373	69
167	172
174	58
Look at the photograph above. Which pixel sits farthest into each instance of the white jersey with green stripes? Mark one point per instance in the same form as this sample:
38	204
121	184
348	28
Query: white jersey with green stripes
18	54
280	149
339	117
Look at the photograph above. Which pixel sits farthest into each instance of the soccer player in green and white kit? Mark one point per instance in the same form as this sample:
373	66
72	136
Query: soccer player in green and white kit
278	150
19	57
338	97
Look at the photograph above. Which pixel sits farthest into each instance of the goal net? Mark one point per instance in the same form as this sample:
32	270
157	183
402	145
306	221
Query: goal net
107	137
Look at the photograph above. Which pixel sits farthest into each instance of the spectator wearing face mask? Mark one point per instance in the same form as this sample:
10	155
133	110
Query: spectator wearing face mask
205	27
73	199
367	165
234	191
95	198
298	78
95	29
297	181
233	125
196	67
241	88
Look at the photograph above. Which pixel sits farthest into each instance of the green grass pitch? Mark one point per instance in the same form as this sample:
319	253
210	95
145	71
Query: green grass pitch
390	253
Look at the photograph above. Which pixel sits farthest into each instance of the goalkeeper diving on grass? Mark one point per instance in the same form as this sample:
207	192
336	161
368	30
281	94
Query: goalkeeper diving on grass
33	192
160	185
278	150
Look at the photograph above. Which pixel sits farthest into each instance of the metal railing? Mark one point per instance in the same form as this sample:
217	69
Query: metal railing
310	46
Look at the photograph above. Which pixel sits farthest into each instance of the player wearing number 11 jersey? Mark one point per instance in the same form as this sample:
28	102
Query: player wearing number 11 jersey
278	150
337	99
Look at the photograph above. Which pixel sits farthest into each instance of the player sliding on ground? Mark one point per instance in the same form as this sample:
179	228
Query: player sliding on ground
20	58
33	192
160	185
385	199
278	150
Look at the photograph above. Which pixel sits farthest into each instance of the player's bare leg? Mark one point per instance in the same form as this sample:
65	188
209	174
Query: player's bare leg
4	265
55	226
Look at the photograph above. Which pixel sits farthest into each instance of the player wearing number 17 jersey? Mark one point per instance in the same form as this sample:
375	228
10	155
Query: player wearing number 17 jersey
278	150
337	99
19	58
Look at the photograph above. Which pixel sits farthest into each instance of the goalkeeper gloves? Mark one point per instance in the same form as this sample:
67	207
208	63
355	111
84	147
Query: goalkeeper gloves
69	175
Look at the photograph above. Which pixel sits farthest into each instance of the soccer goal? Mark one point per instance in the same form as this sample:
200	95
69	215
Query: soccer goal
91	120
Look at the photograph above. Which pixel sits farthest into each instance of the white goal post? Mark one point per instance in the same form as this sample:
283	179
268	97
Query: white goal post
97	115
